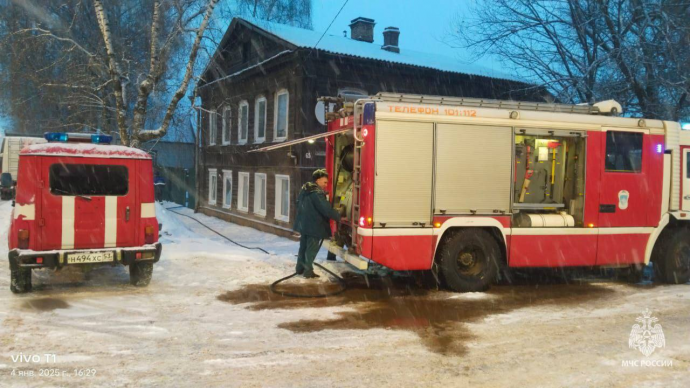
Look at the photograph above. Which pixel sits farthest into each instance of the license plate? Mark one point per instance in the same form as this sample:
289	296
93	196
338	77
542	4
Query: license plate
89	257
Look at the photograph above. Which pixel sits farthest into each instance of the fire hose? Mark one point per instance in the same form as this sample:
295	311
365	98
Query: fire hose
340	280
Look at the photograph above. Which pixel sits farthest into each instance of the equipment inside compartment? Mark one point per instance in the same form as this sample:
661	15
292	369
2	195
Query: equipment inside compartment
342	183
549	180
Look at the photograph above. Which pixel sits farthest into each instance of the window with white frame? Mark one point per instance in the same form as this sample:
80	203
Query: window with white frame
227	122
227	189
280	119
212	185
243	192
212	126
243	122
260	194
260	120
282	198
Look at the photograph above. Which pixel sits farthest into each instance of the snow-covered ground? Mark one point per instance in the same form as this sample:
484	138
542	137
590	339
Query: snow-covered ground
208	320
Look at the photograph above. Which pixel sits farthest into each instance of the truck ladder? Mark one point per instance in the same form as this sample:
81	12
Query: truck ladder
486	103
356	170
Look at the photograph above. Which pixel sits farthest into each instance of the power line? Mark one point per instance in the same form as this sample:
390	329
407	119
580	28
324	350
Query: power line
329	27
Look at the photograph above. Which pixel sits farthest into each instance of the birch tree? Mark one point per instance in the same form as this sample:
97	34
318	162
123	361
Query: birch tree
138	132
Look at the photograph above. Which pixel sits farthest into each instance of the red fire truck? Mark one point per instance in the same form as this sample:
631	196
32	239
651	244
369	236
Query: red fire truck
466	186
83	202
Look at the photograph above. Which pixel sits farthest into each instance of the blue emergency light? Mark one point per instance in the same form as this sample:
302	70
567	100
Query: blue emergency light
55	136
101	139
369	114
77	137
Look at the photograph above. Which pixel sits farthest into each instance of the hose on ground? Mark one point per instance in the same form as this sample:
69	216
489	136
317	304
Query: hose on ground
343	285
214	231
340	280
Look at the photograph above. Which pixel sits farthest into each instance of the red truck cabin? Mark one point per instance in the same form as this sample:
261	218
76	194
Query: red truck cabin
465	186
80	203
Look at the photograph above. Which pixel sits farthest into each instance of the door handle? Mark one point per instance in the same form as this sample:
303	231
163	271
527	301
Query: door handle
687	197
127	214
607	208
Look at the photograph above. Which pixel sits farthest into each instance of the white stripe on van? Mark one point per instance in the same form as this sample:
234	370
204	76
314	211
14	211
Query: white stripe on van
28	211
148	210
67	222
110	222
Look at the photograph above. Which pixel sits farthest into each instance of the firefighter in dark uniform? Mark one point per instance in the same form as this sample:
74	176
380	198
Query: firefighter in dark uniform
159	185
312	221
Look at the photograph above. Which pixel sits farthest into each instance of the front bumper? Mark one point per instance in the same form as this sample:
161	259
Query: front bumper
25	258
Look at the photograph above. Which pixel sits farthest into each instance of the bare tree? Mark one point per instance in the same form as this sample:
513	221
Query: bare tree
61	63
635	51
121	66
294	12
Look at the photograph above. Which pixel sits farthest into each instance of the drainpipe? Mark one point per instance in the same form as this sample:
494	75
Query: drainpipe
198	156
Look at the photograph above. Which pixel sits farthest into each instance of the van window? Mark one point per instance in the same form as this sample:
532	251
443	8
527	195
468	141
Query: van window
623	151
88	179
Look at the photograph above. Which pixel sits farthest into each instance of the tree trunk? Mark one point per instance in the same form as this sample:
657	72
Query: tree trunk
114	71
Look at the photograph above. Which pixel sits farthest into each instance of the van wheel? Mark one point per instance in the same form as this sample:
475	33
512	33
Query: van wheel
20	281
672	262
140	274
469	260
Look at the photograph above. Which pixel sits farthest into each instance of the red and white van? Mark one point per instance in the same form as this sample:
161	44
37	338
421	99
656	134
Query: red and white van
82	202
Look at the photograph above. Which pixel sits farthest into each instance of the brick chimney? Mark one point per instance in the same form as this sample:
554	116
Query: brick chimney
390	39
362	29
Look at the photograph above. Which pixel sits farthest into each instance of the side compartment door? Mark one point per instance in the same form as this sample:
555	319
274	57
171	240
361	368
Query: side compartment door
402	217
473	169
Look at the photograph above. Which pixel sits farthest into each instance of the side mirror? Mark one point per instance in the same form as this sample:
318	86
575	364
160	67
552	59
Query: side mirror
13	203
14	183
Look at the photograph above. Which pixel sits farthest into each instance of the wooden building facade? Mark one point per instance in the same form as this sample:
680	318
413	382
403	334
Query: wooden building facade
261	88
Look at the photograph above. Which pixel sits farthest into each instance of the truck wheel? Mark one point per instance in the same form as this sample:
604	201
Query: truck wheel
20	281
140	274
469	260
672	262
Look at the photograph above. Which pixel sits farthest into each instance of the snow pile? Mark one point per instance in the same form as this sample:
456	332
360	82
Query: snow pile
85	150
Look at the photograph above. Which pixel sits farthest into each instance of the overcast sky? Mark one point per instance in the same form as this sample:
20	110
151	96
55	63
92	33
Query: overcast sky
423	24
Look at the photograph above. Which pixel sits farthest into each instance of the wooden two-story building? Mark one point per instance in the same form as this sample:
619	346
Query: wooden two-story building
261	87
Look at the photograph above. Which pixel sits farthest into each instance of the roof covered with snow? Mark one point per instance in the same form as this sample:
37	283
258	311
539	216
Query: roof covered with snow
345	46
85	150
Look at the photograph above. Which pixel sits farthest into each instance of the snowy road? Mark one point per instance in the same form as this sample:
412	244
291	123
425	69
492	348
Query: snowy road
208	320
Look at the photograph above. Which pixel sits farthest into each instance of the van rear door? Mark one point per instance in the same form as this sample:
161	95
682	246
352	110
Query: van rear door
89	203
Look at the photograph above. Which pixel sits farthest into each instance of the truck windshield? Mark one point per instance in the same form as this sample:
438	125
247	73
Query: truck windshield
88	179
